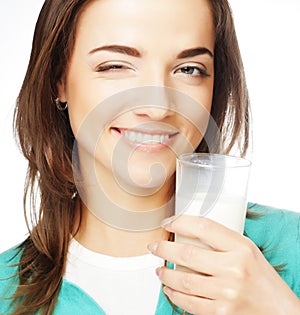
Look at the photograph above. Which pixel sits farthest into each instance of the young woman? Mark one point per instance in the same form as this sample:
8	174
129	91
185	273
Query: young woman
114	91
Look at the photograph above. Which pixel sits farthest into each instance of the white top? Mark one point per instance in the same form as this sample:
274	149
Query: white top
120	285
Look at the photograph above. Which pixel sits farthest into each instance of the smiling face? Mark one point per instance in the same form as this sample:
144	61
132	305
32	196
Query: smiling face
125	45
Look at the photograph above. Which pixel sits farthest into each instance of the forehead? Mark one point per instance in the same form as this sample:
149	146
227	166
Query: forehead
146	22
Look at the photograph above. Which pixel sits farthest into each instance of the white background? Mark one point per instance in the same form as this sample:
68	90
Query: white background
268	32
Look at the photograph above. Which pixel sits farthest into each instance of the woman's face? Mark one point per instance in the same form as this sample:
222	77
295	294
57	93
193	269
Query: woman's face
121	46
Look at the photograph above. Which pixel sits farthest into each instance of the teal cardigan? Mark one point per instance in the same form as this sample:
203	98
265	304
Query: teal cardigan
277	231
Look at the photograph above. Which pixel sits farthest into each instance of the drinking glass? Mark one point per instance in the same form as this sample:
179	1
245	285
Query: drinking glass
214	186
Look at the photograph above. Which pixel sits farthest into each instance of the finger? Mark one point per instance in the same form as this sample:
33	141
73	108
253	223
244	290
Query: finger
207	231
191	304
188	283
201	260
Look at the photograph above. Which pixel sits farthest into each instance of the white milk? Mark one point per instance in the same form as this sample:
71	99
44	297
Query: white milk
228	210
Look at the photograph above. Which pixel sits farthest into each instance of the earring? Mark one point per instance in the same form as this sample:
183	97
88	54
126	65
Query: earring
74	195
58	104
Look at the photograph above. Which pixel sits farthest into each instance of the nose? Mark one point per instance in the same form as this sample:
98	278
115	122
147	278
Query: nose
152	112
156	102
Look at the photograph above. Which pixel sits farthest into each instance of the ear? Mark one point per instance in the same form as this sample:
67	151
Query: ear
61	88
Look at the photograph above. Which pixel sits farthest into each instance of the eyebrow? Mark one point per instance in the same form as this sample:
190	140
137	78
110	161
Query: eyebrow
130	51
195	52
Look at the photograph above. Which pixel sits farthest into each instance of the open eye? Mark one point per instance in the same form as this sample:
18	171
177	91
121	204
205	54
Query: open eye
193	71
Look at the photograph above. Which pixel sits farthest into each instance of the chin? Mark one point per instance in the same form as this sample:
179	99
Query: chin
143	181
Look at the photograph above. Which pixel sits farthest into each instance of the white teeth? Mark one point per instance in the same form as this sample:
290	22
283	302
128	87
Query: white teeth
132	136
139	137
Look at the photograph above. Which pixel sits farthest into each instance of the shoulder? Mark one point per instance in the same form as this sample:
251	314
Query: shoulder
8	278
8	260
68	301
265	221
71	299
277	231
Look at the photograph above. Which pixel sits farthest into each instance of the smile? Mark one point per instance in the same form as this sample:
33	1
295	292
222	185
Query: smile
141	137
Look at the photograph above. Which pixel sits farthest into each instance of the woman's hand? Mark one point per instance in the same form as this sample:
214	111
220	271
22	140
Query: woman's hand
232	279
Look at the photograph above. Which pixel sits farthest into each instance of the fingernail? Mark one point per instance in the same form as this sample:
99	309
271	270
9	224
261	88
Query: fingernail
158	271
152	247
167	221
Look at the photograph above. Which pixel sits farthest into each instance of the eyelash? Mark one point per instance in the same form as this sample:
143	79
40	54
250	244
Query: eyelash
112	67
117	67
202	72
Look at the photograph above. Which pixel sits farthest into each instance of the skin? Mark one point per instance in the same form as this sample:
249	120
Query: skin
156	61
239	281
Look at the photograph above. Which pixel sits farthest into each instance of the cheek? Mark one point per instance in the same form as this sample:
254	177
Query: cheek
85	106
95	102
195	115
79	100
82	119
201	114
194	134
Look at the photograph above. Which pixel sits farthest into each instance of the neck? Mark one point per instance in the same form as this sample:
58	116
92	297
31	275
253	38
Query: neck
102	238
113	225
120	220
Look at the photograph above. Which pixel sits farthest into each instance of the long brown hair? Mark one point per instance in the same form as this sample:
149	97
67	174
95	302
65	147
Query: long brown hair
46	139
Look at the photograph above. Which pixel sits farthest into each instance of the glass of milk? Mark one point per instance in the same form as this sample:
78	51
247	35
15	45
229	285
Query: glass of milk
214	186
